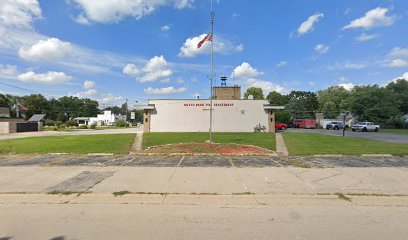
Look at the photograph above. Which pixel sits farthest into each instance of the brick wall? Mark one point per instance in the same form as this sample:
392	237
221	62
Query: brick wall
227	93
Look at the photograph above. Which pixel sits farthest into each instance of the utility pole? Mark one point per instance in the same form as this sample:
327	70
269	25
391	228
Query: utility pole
212	71
17	109
344	123
126	112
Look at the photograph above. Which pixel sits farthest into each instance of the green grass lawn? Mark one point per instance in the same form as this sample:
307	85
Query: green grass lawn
264	140
397	131
310	144
112	143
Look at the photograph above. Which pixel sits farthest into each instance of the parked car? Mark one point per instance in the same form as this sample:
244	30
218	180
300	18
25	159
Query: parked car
335	126
281	126
365	127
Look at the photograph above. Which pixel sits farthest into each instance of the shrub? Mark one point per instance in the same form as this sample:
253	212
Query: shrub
49	122
93	126
71	123
120	123
83	127
58	123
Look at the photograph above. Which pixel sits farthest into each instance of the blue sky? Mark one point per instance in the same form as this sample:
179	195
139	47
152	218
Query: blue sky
112	50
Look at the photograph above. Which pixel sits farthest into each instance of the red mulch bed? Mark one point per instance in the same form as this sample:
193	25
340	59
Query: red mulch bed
190	148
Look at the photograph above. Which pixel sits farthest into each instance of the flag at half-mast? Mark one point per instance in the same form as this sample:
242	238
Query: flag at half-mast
206	38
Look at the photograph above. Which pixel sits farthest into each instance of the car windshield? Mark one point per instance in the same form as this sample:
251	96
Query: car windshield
361	123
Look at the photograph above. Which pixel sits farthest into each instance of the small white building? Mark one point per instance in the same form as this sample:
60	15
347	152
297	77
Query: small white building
105	119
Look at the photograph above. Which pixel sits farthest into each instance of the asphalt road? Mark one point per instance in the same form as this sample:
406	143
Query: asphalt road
379	136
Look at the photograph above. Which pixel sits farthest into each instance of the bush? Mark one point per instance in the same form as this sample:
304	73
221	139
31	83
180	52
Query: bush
71	123
83	127
57	124
93	126
49	123
120	123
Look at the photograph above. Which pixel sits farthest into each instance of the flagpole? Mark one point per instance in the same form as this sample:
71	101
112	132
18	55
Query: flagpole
212	71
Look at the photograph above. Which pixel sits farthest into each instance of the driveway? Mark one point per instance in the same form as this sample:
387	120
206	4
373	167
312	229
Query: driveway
70	133
379	136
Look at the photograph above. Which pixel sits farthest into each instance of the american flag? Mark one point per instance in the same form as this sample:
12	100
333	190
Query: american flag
206	38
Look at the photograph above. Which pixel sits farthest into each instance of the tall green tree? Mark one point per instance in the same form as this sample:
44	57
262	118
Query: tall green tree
36	104
400	89
256	93
333	100
373	103
302	104
277	99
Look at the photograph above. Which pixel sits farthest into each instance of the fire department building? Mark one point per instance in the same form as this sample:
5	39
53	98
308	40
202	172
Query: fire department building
230	113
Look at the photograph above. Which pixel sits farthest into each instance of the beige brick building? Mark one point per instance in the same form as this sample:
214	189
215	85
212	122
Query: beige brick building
230	114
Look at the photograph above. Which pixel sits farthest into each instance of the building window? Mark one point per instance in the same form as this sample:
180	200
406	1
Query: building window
271	119
146	119
242	111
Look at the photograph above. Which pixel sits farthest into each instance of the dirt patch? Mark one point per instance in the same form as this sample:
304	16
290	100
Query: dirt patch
216	148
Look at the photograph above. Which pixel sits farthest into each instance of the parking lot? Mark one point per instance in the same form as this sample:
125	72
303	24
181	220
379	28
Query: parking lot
379	136
202	161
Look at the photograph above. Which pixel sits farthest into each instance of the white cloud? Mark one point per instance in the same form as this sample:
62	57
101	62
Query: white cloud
81	19
266	86
245	71
321	48
166	90
247	75
8	71
48	77
239	48
165	28
19	13
113	11
89	84
347	86
397	57
398	52
110	99
131	70
396	63
49	49
179	81
311	83
156	68
307	25
166	80
281	64
221	45
402	77
376	17
366	37
90	93
347	66
343	79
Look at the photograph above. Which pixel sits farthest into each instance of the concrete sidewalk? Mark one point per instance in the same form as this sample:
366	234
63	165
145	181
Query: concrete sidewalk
70	133
209	180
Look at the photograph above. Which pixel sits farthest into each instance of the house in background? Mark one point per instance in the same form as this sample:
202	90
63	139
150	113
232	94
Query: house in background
4	112
105	119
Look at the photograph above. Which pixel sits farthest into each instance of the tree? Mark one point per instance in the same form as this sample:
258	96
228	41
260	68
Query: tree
277	99
257	93
282	117
302	104
400	89
333	100
375	104
36	104
115	110
329	110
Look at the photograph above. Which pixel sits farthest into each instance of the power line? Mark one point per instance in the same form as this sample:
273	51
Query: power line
10	85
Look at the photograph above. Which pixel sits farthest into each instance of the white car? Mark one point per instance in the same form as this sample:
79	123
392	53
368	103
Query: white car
365	127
